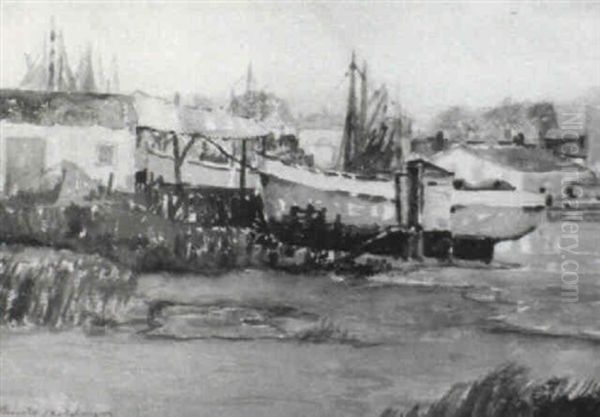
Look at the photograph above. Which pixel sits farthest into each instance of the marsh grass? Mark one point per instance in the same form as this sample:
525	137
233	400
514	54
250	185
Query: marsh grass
510	391
58	289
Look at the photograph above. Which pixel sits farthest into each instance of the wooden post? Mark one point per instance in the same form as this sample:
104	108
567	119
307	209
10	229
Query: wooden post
111	179
263	145
415	177
398	201
243	171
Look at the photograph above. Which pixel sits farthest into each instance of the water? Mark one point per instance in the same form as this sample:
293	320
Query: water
425	329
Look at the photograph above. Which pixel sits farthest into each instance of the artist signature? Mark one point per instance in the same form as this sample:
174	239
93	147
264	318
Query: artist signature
30	411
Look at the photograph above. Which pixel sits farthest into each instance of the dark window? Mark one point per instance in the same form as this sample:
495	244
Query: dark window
106	155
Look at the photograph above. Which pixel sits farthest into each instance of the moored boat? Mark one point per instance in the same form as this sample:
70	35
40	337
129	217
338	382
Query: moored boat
418	202
495	214
198	172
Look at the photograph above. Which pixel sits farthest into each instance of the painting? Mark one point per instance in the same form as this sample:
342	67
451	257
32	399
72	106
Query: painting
386	209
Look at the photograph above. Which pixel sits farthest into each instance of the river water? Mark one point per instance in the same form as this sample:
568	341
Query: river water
421	329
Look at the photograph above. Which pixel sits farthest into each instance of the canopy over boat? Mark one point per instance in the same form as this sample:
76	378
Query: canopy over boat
163	115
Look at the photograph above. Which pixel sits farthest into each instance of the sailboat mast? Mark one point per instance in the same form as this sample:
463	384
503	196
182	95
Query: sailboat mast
363	104
348	142
249	79
51	68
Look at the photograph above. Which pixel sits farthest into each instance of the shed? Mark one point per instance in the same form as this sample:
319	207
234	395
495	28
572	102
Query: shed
40	131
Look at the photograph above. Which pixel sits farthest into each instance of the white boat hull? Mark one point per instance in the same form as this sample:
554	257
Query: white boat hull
200	173
496	214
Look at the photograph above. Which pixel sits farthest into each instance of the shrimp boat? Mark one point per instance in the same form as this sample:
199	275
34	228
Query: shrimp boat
413	211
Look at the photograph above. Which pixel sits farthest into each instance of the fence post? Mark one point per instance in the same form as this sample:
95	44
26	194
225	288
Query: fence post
415	207
111	178
243	179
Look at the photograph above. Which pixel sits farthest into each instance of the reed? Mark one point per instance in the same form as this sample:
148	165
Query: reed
510	390
61	288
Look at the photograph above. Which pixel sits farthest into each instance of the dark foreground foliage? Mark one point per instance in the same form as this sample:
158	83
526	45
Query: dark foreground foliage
146	242
138	240
58	289
510	391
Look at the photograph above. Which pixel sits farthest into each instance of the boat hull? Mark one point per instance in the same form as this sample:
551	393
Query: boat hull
200	174
369	212
495	223
496	215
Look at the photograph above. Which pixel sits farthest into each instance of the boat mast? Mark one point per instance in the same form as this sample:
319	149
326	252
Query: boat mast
363	108
249	79
348	139
51	67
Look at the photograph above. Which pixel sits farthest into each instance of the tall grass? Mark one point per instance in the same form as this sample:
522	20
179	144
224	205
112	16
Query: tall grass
510	391
139	240
146	242
58	289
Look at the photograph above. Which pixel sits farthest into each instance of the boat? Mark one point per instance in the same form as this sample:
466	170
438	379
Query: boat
200	172
414	210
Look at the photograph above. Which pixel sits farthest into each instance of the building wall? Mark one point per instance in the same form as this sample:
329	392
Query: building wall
97	150
476	170
437	193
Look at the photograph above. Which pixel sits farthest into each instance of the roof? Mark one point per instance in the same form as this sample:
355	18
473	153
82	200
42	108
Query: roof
160	114
518	158
563	134
46	108
571	117
413	159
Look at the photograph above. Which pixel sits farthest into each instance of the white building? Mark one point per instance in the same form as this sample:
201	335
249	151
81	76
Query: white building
40	131
527	169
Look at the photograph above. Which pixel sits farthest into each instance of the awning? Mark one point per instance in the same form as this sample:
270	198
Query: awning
159	114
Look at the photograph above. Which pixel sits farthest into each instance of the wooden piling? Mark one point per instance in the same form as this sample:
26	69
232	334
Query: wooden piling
109	186
243	171
415	207
398	200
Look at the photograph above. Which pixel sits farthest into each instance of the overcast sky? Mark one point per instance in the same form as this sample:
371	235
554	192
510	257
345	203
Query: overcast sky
431	55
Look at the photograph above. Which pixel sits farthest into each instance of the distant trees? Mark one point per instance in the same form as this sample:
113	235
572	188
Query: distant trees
260	105
457	122
498	123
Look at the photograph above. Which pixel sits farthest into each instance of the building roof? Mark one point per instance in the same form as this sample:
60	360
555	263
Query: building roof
430	166
518	158
563	134
68	109
160	114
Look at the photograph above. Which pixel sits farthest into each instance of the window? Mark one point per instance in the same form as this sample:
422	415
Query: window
106	155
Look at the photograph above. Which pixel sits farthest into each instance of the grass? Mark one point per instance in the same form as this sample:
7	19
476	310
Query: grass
510	391
61	288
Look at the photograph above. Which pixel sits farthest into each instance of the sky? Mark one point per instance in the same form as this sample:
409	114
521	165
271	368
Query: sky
429	55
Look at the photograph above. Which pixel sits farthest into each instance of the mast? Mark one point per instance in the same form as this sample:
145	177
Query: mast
348	139
249	78
67	78
60	79
51	69
363	107
114	83
101	81
85	72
